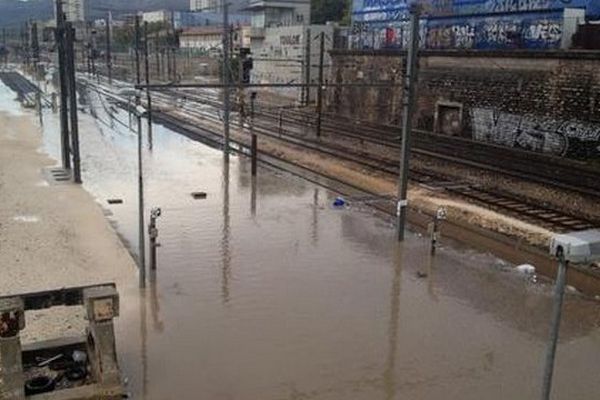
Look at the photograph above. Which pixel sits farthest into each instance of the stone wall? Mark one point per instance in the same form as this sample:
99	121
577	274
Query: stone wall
542	101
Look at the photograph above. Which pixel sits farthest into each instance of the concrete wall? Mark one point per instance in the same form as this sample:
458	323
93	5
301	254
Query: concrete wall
280	57
547	102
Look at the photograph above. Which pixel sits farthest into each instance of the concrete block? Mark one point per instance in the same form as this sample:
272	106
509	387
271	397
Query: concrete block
101	303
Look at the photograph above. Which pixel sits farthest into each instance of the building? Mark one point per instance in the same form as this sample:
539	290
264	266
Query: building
204	5
275	13
189	19
208	39
74	10
279	38
474	24
163	16
281	57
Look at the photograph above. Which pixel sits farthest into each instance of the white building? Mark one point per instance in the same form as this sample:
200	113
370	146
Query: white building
204	5
74	10
275	13
157	16
281	56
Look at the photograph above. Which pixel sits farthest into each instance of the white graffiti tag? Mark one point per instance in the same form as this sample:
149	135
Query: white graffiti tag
541	134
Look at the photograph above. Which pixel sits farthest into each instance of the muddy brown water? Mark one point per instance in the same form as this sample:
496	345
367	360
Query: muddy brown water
265	291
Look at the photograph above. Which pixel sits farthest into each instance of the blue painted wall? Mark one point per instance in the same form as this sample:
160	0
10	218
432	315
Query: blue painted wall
467	24
393	10
532	30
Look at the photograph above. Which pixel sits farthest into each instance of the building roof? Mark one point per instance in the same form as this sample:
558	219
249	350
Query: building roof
260	5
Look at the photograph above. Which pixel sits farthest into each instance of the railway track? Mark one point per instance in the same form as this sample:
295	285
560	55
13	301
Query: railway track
534	167
25	89
525	209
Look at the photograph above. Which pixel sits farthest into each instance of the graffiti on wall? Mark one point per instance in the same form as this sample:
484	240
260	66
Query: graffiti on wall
543	31
460	36
536	31
387	10
535	133
518	5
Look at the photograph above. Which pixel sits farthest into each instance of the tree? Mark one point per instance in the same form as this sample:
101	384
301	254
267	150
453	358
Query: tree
330	10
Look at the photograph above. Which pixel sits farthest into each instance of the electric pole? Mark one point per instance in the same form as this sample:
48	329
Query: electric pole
559	292
109	48
35	48
72	85
407	117
307	67
226	77
157	54
64	117
148	97
141	237
5	46
320	91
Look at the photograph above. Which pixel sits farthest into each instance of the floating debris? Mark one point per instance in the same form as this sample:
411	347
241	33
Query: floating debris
199	195
115	201
526	269
339	202
26	218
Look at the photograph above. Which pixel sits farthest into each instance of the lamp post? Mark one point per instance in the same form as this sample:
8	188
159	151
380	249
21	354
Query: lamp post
584	247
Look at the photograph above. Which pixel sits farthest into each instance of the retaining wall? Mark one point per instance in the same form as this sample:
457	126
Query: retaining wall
542	101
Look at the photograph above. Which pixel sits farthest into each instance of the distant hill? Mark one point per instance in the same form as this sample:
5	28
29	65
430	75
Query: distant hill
14	12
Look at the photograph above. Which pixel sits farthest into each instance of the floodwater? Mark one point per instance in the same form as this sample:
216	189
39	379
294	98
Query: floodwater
265	291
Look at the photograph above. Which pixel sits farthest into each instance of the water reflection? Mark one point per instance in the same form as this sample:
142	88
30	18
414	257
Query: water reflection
389	375
253	186
157	322
315	218
431	289
144	343
226	232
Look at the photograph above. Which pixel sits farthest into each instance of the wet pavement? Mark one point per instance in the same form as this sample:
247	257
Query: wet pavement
266	291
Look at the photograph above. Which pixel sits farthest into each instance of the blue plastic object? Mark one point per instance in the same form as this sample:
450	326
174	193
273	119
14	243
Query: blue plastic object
339	202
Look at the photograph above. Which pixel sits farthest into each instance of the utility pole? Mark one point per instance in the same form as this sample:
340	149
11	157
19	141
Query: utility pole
148	97
35	48
5	46
25	43
559	291
174	58
157	54
254	147
142	241
109	48
168	54
320	91
307	67
72	85
64	117
408	108
226	77
94	52
88	61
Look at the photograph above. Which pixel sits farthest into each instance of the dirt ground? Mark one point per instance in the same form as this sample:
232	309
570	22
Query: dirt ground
51	235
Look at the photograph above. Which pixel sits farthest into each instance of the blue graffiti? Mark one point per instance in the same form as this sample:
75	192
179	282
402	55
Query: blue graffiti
538	31
532	30
386	10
